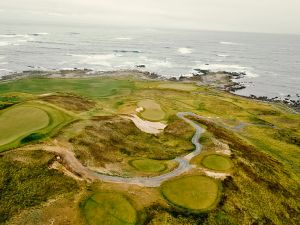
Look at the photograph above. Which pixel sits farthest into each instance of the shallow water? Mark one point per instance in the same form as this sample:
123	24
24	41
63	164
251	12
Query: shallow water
271	62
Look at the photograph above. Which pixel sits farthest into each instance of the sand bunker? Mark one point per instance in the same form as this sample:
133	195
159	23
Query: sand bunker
147	126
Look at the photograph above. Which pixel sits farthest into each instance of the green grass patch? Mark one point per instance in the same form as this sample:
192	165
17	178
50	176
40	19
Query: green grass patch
28	122
196	193
89	87
108	208
152	110
216	162
148	165
19	121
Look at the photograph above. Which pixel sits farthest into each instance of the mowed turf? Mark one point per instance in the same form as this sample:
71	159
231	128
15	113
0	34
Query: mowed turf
196	193
148	165
107	208
19	121
89	87
152	110
29	122
216	162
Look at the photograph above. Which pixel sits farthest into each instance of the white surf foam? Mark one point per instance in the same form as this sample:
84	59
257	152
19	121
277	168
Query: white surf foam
222	55
101	60
228	43
185	50
123	38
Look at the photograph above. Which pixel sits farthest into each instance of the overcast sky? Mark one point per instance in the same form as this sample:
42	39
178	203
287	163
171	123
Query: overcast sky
279	16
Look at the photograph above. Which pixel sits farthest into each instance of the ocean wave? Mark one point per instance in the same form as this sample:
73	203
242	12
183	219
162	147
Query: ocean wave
185	50
222	55
13	35
228	43
39	34
123	38
4	43
127	51
100	60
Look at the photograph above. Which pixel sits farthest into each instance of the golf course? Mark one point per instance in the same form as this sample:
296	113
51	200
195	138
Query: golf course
132	150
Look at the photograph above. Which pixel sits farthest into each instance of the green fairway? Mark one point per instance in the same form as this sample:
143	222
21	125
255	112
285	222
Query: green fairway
216	162
19	121
148	165
89	87
152	110
28	122
192	192
178	86
109	209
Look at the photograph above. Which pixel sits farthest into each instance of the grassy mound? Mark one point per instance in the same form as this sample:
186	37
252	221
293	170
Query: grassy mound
28	122
19	121
109	209
216	162
152	110
196	193
148	165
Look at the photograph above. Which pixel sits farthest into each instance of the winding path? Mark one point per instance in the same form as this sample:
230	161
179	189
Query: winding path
183	162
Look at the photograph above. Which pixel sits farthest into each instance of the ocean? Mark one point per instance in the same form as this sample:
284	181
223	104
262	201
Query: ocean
271	61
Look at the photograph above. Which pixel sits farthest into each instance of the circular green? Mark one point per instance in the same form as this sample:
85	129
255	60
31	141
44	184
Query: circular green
216	162
197	193
148	165
108	208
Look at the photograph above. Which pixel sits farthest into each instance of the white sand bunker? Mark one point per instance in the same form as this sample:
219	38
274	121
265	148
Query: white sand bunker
147	126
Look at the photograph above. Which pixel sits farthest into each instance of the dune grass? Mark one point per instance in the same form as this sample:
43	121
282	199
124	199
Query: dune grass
196	193
109	208
152	110
216	162
148	165
19	121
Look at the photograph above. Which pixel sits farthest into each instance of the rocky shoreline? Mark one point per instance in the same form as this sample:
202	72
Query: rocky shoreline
222	80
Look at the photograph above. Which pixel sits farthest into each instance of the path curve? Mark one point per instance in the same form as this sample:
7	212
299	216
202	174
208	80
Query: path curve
183	162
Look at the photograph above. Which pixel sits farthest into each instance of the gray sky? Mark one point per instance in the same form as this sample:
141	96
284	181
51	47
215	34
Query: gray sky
271	16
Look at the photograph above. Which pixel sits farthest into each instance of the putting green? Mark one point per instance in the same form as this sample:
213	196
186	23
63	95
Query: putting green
109	209
216	162
152	110
182	87
148	165
192	192
19	121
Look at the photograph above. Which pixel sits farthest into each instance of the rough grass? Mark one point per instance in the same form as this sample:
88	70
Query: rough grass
178	86
89	87
108	208
20	121
70	102
216	162
148	165
24	184
196	193
111	139
152	110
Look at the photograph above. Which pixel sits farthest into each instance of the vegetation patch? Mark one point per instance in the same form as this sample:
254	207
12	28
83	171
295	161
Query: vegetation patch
196	193
152	110
108	208
148	165
70	102
25	185
216	162
178	86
